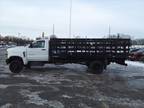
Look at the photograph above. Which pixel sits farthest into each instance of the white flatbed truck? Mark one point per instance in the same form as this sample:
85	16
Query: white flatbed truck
95	53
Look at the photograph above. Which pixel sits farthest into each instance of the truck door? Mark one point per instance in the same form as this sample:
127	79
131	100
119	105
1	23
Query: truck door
37	51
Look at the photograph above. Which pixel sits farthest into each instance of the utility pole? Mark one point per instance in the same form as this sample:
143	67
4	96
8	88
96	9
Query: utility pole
19	35
70	19
53	29
43	34
109	31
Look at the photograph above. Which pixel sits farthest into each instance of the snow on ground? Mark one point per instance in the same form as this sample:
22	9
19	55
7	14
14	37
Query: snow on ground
136	83
20	76
55	104
66	96
8	105
2	86
75	67
33	97
70	66
58	86
4	76
132	70
83	105
49	79
98	96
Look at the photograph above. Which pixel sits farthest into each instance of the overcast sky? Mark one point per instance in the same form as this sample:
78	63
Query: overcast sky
90	18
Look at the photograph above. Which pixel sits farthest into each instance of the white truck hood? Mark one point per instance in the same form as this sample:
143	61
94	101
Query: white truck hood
16	51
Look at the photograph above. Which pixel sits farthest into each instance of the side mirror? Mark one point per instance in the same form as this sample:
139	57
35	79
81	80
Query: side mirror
30	46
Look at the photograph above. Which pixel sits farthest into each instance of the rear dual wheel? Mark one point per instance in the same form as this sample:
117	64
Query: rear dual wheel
16	66
96	67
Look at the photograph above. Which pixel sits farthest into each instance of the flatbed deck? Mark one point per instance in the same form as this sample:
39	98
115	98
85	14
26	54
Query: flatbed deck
74	50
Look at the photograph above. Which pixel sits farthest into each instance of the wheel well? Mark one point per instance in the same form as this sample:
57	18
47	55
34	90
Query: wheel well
14	58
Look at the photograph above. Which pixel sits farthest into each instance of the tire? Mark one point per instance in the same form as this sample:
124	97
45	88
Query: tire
96	67
16	66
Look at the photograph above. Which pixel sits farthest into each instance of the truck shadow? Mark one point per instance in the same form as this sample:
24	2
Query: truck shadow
57	68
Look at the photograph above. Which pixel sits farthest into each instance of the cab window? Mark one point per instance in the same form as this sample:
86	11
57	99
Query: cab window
38	44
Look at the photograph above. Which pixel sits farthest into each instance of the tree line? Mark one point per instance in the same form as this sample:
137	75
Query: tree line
15	40
138	42
23	41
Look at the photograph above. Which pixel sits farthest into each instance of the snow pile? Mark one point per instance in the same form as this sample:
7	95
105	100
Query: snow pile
134	69
138	64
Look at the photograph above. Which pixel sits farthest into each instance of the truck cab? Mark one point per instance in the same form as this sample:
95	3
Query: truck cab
18	57
38	51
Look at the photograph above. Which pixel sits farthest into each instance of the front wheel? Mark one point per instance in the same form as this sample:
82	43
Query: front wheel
16	66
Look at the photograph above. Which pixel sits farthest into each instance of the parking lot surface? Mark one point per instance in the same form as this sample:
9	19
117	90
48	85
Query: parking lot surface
72	86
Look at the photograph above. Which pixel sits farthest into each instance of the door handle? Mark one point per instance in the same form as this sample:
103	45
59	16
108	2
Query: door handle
43	49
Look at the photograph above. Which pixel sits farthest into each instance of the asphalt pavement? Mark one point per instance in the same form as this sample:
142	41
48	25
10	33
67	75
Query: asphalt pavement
72	86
